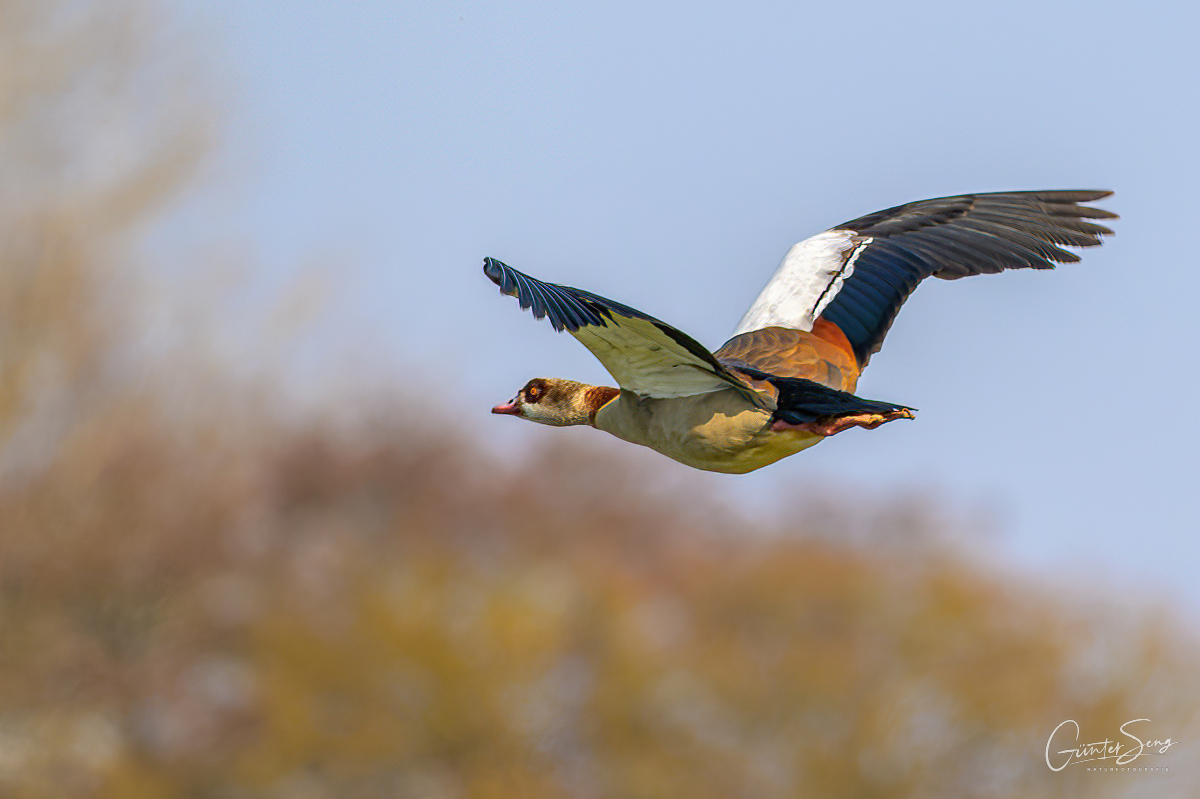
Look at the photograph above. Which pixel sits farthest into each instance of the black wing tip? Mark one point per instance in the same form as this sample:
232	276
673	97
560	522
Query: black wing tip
1073	197
494	269
1067	203
544	300
1068	195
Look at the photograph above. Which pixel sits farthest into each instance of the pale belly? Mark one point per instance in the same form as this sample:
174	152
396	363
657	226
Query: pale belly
754	456
718	432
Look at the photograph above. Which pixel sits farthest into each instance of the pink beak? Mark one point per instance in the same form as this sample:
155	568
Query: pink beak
509	407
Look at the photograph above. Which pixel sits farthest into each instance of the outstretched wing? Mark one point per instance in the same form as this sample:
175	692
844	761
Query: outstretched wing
644	355
857	275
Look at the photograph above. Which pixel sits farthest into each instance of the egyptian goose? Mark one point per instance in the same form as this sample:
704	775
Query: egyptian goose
783	382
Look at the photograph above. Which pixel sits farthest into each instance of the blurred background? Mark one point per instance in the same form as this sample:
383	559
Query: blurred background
259	536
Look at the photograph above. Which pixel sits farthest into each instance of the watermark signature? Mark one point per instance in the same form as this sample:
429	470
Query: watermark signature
1121	752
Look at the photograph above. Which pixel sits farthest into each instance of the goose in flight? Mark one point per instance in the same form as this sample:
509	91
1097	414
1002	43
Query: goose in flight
784	381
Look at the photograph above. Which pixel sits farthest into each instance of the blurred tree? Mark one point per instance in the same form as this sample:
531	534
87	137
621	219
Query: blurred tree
216	604
97	134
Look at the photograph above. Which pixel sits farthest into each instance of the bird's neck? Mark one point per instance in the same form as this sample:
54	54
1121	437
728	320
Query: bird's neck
593	398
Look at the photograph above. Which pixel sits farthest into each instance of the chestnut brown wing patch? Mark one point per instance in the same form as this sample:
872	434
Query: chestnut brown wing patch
822	355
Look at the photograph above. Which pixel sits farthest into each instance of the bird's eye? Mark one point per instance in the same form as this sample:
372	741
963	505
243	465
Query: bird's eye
533	393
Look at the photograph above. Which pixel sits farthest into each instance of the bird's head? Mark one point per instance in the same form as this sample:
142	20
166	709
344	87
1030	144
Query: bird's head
556	402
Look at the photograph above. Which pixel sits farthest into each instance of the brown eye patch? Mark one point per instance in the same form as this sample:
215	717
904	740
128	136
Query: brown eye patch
533	393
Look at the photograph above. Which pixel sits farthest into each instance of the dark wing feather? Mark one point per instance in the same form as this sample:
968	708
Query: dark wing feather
953	237
645	355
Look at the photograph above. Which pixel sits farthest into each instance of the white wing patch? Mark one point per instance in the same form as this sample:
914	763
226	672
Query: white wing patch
645	360
810	276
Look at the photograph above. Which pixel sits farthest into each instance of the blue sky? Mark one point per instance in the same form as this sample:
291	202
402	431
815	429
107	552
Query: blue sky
667	156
